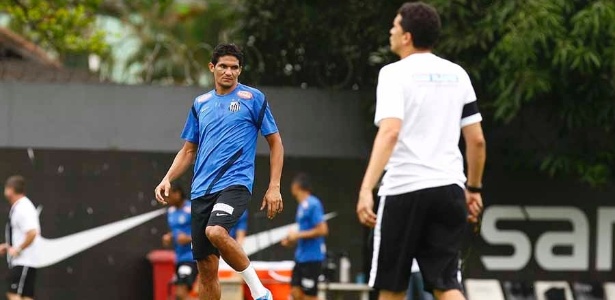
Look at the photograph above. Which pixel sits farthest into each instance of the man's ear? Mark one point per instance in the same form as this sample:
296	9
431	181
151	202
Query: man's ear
211	67
407	39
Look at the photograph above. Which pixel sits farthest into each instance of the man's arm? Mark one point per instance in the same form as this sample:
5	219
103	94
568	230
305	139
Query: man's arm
475	153
475	156
181	163
322	229
383	148
30	236
273	198
183	239
167	239
276	160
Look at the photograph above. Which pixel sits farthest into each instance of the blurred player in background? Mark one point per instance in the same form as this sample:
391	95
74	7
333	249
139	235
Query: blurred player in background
239	231
416	288
309	239
220	139
423	104
22	232
180	238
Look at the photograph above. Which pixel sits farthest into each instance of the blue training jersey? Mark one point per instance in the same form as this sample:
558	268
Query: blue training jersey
225	129
242	224
179	222
309	214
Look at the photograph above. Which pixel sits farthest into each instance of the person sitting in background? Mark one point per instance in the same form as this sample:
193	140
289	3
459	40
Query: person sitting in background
310	240
179	219
239	231
416	288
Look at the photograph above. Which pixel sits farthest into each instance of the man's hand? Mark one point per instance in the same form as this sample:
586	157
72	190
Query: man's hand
162	190
293	236
291	239
273	202
3	248
14	252
474	201
167	239
184	239
365	208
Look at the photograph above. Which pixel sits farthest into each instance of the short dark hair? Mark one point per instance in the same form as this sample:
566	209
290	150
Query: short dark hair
225	50
304	182
422	21
176	187
17	183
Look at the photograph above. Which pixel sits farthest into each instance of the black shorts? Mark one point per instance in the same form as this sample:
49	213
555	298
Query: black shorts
305	276
428	225
223	208
21	281
185	274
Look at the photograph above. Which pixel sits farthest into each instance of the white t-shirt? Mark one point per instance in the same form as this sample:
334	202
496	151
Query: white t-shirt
23	218
434	99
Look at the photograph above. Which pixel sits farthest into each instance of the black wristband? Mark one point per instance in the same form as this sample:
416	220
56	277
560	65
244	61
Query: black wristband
473	189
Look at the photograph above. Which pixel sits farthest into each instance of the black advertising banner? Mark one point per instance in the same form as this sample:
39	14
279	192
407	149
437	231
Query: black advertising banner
109	195
536	228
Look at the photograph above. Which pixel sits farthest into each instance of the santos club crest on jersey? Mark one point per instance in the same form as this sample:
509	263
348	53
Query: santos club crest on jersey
235	106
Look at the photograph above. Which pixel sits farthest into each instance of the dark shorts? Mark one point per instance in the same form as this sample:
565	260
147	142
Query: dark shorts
223	208
185	274
428	225
305	276
21	281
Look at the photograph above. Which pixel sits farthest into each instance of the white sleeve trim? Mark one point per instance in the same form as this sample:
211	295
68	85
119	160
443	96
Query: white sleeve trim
473	119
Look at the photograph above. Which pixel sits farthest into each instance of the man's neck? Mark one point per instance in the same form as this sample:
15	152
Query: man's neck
409	51
16	198
225	91
303	197
180	204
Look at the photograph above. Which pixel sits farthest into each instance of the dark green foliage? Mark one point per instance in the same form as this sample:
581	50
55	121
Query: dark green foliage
546	63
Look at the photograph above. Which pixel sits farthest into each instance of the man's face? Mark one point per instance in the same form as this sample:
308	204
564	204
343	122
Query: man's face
175	197
8	192
398	37
295	189
226	71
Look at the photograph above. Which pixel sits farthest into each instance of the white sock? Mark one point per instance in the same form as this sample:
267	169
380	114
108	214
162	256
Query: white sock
256	287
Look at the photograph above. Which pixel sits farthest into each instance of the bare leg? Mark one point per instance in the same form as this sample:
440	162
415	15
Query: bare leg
388	295
296	293
182	292
234	256
208	278
229	249
449	295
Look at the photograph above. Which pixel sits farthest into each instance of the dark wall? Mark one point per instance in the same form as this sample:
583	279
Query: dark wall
84	189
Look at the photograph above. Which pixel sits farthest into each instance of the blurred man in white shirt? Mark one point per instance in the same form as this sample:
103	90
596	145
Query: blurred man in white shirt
22	232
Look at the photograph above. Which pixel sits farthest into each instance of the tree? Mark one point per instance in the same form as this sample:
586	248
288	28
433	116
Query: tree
542	68
176	37
61	27
546	67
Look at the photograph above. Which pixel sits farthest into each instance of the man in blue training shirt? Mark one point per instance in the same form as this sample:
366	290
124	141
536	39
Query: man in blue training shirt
239	231
178	217
310	240
220	138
